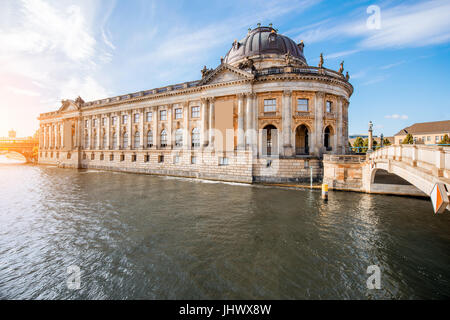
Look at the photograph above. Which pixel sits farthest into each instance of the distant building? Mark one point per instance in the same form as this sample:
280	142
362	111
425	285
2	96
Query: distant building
425	132
11	133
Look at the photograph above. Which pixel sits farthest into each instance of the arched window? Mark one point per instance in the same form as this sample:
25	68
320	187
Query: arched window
196	137
137	139
125	140
104	141
115	140
86	140
149	139
163	138
179	138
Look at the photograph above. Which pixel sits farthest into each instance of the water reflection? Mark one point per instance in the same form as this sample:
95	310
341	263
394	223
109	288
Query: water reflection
138	236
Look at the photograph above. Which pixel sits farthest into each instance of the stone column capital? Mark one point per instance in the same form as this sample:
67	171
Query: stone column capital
287	93
211	99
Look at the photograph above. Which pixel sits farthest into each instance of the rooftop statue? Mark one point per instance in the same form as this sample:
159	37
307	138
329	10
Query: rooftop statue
321	61
341	69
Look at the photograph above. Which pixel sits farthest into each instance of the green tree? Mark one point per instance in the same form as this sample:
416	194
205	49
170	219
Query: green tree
358	143
386	142
408	139
445	140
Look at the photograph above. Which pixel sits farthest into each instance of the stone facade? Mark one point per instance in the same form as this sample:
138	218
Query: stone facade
265	117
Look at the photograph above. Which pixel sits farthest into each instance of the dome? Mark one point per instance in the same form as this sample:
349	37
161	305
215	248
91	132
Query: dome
264	40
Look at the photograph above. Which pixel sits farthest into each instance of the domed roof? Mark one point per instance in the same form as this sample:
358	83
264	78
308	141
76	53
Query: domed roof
263	40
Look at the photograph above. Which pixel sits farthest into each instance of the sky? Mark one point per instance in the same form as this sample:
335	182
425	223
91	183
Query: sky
397	56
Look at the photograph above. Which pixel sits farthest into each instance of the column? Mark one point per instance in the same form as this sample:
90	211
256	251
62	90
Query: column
287	123
129	128
248	121
255	125
119	130
318	117
78	129
108	132
155	127
44	132
204	133
98	132
186	129
240	131
211	121
141	128
169	127
339	149
41	137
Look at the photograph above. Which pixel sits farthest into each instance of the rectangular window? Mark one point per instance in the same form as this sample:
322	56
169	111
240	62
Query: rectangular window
113	120
270	105
146	158
328	106
436	139
178	113
104	121
86	123
136	117
193	160
223	161
428	138
163	115
149	116
102	157
122	157
195	112
111	157
133	158
302	105
176	159
161	158
124	119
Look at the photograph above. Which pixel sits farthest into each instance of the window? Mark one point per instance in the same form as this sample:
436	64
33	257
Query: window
86	123
86	140
95	122
179	138
111	157
68	155
223	161
104	121
104	141
163	138
178	113
146	158
428	138
95	140
436	139
124	119
137	138
122	157
160	158
149	116
193	160
163	115
102	157
125	140
328	106
92	156
115	140
270	105
176	159
302	105
133	158
196	137
149	139
136	117
195	112
84	156
114	120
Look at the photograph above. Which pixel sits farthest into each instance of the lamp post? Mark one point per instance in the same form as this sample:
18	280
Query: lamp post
370	149
381	141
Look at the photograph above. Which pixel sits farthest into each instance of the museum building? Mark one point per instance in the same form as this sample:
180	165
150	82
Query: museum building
262	115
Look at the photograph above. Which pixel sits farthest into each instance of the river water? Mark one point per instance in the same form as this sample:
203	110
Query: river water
147	237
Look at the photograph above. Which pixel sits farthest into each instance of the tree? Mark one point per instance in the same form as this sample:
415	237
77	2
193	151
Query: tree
445	140
366	144
386	142
358	144
408	139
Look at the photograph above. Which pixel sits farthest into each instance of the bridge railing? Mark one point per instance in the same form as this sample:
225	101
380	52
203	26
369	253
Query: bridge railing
434	158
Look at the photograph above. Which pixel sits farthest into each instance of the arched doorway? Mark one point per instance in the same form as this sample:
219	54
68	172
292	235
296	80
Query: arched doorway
327	138
269	140
302	140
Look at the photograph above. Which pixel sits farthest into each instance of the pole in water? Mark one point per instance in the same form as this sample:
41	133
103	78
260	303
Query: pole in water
324	191
310	177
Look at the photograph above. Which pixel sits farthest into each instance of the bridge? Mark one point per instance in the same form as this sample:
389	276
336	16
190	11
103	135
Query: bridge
402	169
23	146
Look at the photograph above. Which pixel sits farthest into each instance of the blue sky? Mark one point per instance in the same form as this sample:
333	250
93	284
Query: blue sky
53	50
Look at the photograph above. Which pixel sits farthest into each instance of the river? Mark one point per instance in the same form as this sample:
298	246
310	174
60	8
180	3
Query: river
147	237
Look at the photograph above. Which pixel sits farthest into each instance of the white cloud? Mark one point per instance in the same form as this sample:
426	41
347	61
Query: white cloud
412	25
396	116
23	91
